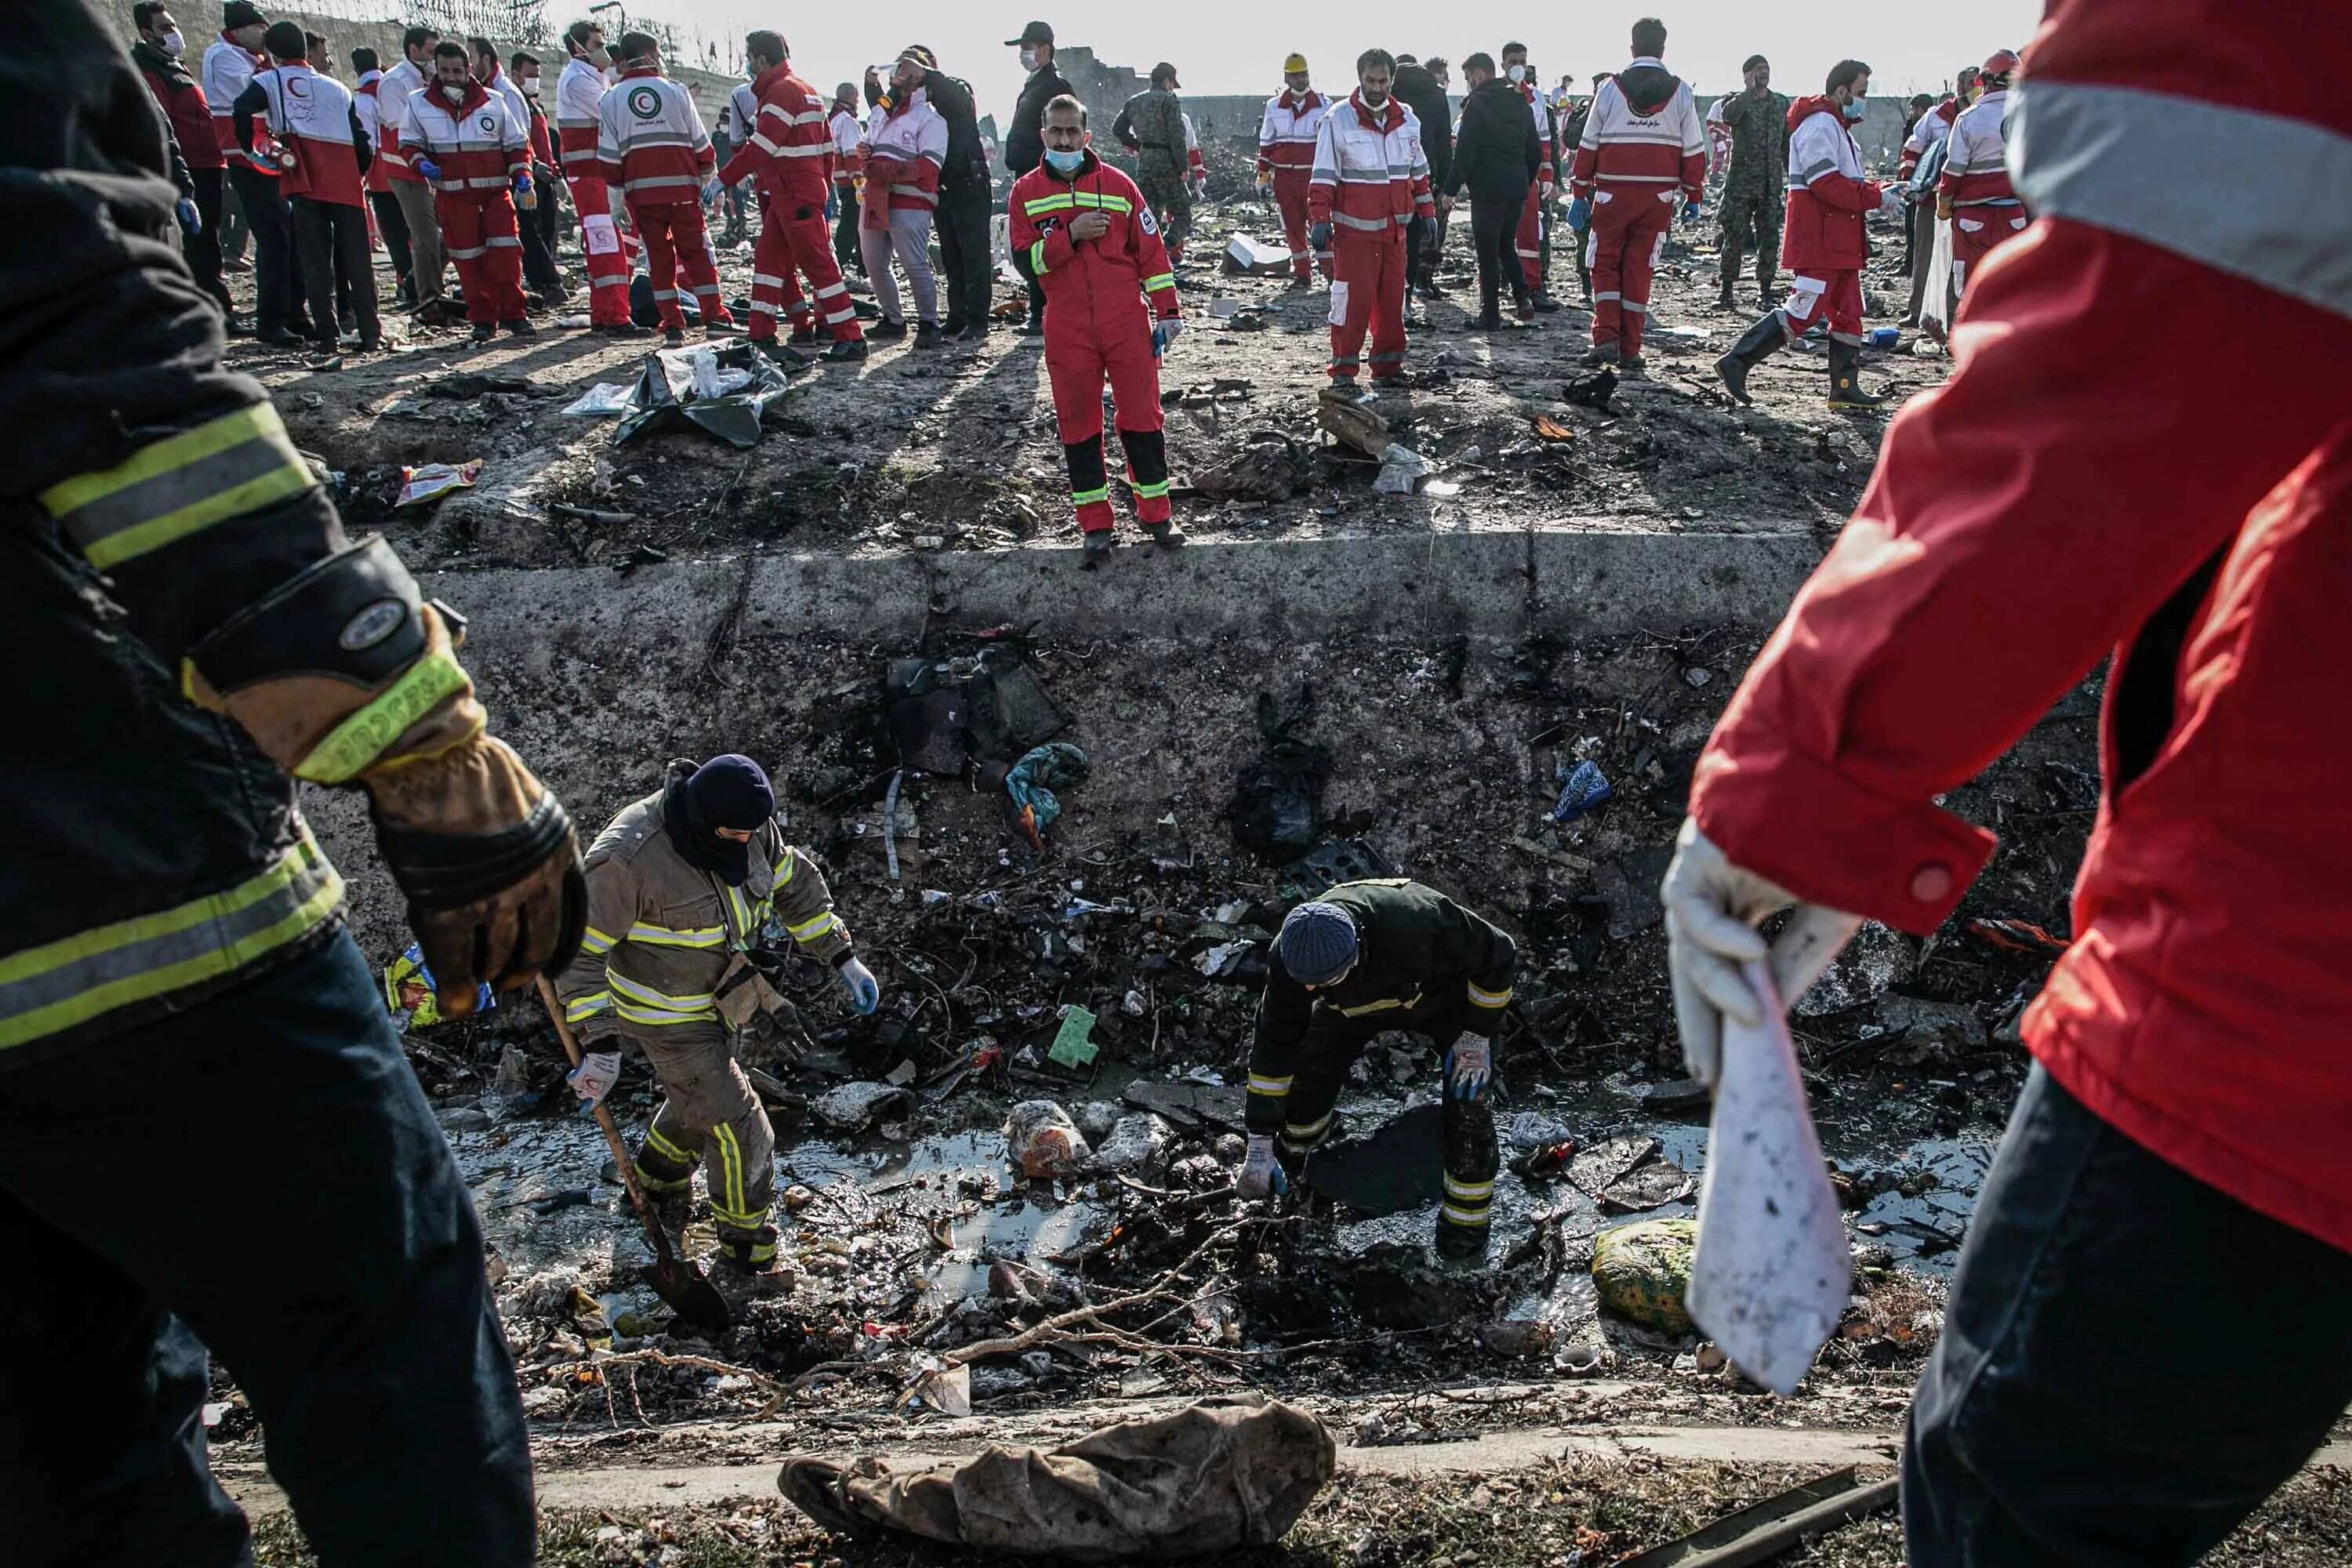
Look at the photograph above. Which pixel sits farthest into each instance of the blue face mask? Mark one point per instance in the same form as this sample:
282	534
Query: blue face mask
1066	163
1857	109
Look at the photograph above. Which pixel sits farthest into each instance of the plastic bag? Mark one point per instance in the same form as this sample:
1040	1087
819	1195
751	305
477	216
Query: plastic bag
433	481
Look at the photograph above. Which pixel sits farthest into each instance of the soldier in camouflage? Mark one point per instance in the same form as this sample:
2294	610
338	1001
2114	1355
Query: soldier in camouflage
1753	192
1151	126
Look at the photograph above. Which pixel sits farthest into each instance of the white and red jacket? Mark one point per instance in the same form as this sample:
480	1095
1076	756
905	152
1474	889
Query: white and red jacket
578	99
791	150
369	108
1644	133
506	87
314	118
650	140
228	68
2082	487
1976	165
1829	200
1931	129
477	143
1369	174
1196	168
905	149
847	132
1285	136
1547	176
392	117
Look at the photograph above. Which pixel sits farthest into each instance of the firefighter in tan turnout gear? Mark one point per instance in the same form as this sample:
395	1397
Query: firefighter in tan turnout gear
682	889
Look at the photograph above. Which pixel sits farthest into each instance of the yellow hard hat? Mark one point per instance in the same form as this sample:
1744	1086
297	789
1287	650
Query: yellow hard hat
1292	65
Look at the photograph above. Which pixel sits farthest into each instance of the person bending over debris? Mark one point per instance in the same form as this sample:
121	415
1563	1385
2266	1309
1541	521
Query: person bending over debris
1364	957
682	887
468	144
650	142
2081	488
173	960
1368	194
1080	230
790	152
1829	201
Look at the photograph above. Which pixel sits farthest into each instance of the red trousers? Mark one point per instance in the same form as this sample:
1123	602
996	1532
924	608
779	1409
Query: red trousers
677	243
1834	296
1977	233
1080	358
1530	240
1629	228
1290	197
794	237
478	229
601	243
1368	292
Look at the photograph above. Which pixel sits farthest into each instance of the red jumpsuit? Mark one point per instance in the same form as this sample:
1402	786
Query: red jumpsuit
1369	181
1986	212
579	97
790	152
1286	150
1096	328
1529	241
651	143
478	147
2080	488
1821	237
1642	154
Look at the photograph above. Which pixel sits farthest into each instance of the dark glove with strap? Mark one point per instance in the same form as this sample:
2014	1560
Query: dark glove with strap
344	676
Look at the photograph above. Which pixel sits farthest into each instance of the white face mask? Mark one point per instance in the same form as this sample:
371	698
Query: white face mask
531	87
1518	75
1028	60
454	94
173	43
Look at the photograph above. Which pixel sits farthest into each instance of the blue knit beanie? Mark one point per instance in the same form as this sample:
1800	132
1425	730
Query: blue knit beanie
1317	944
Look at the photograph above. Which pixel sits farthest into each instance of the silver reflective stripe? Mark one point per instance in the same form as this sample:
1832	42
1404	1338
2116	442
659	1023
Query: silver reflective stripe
2241	192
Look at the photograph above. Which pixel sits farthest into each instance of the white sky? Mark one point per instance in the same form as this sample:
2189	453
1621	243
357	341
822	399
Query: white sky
1236	45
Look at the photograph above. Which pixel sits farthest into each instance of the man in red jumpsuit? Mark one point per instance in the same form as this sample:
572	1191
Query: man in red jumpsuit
1642	153
606	248
1371	180
650	143
1973	194
789	148
1285	154
1821	239
2080	489
1081	231
467	143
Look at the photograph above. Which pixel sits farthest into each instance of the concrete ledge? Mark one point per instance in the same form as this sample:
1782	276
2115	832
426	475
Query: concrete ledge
1510	584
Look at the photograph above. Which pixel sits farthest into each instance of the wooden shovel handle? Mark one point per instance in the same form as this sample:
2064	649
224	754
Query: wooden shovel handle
621	1160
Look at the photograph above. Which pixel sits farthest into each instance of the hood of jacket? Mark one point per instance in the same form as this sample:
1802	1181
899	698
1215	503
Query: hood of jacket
148	57
1310	98
1648	86
1804	108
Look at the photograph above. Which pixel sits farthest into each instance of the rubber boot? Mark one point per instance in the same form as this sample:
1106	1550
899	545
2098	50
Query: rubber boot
1766	281
1723	299
1758	342
1845	379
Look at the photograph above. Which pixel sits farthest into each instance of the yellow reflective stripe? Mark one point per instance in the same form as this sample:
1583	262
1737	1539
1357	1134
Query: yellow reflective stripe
1084	498
1160	281
810	929
178	486
638	991
667	1149
1476	1218
782	876
1149	492
1383	1006
1480	998
47	989
368	732
1309	1129
631	1013
1049	204
730	1170
744	926
588	1006
1259	1083
1107	204
1469	1192
671	936
596	941
1037	257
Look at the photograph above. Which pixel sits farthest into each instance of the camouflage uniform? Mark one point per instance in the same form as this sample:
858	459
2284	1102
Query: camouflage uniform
1754	189
1153	121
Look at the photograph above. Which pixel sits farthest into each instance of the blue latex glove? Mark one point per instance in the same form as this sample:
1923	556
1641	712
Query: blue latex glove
1580	214
833	204
1468	1066
192	222
865	991
1162	335
1690	212
428	168
523	184
710	192
1318	235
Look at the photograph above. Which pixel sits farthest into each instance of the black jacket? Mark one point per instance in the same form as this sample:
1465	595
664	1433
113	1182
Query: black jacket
967	166
1417	89
1498	154
1024	141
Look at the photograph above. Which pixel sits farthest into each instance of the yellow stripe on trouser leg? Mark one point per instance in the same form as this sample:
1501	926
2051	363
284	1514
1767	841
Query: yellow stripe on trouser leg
731	1205
666	1149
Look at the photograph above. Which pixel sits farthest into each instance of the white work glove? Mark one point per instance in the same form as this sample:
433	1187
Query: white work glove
1166	332
1260	1177
594	1078
1468	1066
1891	199
865	991
1712	907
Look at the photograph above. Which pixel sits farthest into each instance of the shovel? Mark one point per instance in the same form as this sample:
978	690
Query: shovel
692	1297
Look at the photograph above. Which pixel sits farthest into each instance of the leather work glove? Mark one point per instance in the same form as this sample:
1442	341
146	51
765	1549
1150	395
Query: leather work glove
192	222
1468	1066
1712	910
1580	214
1943	206
1265	182
594	1078
428	168
1260	1177
865	991
1318	235
345	677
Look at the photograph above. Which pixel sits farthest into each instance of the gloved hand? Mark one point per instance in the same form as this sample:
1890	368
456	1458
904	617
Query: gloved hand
1547	190
865	991
833	203
1260	1177
1469	1066
1943	206
1165	332
523	184
710	192
1890	200
192	222
427	167
1580	214
594	1078
1690	212
1318	235
1712	910
1265	182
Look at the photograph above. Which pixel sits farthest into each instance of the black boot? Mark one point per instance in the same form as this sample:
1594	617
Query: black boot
1765	290
1723	299
1845	379
1761	339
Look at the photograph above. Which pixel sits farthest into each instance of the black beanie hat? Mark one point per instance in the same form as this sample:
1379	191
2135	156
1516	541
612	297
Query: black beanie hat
726	791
